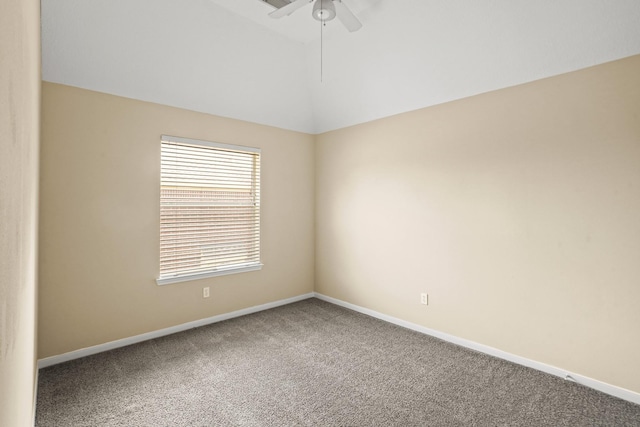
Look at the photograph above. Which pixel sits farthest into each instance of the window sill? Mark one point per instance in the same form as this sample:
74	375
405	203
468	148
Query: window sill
186	278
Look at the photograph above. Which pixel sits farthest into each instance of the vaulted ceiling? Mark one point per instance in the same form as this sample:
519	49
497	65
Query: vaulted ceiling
228	58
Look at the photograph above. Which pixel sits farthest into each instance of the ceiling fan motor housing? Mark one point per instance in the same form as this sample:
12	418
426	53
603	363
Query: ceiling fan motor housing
324	10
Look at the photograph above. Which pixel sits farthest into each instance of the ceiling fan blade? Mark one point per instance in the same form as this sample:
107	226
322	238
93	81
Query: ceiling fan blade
289	9
345	16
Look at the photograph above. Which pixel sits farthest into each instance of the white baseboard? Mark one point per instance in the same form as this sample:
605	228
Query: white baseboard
609	389
54	360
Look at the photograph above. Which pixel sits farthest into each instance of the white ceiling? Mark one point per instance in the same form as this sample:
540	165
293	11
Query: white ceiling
228	58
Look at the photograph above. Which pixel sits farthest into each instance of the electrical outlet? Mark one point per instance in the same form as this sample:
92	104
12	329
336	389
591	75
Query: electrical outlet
424	299
205	292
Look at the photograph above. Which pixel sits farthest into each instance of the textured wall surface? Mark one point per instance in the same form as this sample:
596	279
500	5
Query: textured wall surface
19	144
516	211
100	209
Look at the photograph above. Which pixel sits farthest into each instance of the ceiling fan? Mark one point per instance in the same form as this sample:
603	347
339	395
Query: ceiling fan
323	10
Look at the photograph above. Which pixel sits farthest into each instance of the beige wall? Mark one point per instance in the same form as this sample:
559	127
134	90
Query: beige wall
518	211
100	219
19	144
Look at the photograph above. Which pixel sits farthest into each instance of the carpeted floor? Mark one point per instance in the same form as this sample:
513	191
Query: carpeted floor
312	364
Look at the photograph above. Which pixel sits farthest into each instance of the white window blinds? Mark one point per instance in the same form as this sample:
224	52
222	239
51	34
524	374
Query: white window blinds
209	209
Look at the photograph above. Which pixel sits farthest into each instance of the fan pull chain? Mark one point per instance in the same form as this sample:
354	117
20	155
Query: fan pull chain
322	24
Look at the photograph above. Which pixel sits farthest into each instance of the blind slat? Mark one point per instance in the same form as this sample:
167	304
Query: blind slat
209	209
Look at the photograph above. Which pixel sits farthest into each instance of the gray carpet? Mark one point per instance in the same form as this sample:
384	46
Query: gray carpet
312	364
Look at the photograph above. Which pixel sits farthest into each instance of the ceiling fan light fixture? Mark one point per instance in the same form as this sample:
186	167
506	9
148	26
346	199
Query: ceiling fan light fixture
324	10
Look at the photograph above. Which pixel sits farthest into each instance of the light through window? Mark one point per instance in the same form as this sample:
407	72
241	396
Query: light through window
209	209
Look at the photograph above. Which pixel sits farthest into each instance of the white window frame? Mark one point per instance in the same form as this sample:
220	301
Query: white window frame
237	268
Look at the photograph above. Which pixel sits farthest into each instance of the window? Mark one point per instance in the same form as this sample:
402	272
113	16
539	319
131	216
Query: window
209	209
